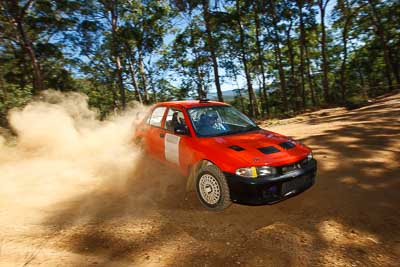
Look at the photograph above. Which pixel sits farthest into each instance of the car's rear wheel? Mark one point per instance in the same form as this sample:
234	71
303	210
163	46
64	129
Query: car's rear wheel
212	188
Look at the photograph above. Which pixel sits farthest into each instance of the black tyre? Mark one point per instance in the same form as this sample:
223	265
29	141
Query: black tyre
212	188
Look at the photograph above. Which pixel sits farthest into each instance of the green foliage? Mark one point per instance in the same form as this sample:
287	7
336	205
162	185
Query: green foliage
119	51
240	102
100	96
356	101
12	96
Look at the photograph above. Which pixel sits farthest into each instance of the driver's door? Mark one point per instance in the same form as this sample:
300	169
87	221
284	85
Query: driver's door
176	136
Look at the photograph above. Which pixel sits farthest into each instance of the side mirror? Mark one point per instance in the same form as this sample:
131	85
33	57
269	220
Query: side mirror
181	130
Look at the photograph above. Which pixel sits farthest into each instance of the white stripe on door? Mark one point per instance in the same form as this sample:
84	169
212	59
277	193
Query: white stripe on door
172	148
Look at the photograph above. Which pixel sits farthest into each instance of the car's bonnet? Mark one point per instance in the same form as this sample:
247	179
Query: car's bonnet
262	148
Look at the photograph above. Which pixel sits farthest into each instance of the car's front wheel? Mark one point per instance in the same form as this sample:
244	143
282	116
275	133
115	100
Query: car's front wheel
212	188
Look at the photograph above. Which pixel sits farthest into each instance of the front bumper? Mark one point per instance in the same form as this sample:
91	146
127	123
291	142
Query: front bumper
268	190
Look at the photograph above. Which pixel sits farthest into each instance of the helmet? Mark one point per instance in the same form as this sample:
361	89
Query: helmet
212	115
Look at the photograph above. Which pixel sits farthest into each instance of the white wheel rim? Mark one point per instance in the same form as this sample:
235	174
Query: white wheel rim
209	189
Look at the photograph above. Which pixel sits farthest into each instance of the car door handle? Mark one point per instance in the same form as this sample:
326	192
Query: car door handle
162	135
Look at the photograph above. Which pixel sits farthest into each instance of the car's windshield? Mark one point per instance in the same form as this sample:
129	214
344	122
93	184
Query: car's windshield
219	120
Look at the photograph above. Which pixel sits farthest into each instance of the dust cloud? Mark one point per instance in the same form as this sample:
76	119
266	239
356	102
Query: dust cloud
63	169
62	150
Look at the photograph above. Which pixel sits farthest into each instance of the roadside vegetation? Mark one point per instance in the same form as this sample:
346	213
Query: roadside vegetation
278	58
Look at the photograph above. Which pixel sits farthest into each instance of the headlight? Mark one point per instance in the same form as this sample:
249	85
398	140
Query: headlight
310	156
253	172
247	172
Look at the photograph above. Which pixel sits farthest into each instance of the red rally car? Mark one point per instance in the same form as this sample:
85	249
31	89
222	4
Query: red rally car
224	154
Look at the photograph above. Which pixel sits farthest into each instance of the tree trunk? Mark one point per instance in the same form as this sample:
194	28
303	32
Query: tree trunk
152	87
22	62
241	100
395	67
302	47
325	81
114	31
311	84
211	47
293	79
278	60
200	83
261	59
282	79
134	83
364	89
111	84
380	32
348	13
252	97
3	96
344	62
130	57
143	77
38	83
120	82
16	17
309	77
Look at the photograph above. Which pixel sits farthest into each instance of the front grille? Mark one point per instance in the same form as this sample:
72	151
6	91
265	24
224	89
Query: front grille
271	193
297	184
294	166
289	168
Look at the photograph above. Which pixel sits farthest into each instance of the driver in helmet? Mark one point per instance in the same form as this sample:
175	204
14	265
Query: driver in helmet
210	124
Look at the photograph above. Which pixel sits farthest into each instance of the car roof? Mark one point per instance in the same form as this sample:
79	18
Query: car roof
191	103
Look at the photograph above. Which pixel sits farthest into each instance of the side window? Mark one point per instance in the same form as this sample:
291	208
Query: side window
175	120
156	117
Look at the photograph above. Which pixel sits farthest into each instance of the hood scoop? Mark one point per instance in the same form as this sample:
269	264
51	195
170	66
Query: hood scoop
287	145
268	150
236	148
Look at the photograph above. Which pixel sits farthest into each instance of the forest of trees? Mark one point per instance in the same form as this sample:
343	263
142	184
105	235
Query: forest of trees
279	57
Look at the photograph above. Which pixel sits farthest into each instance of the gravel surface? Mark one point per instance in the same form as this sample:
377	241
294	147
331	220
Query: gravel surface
351	217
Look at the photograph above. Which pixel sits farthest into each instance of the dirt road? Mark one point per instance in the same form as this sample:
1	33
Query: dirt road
351	217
